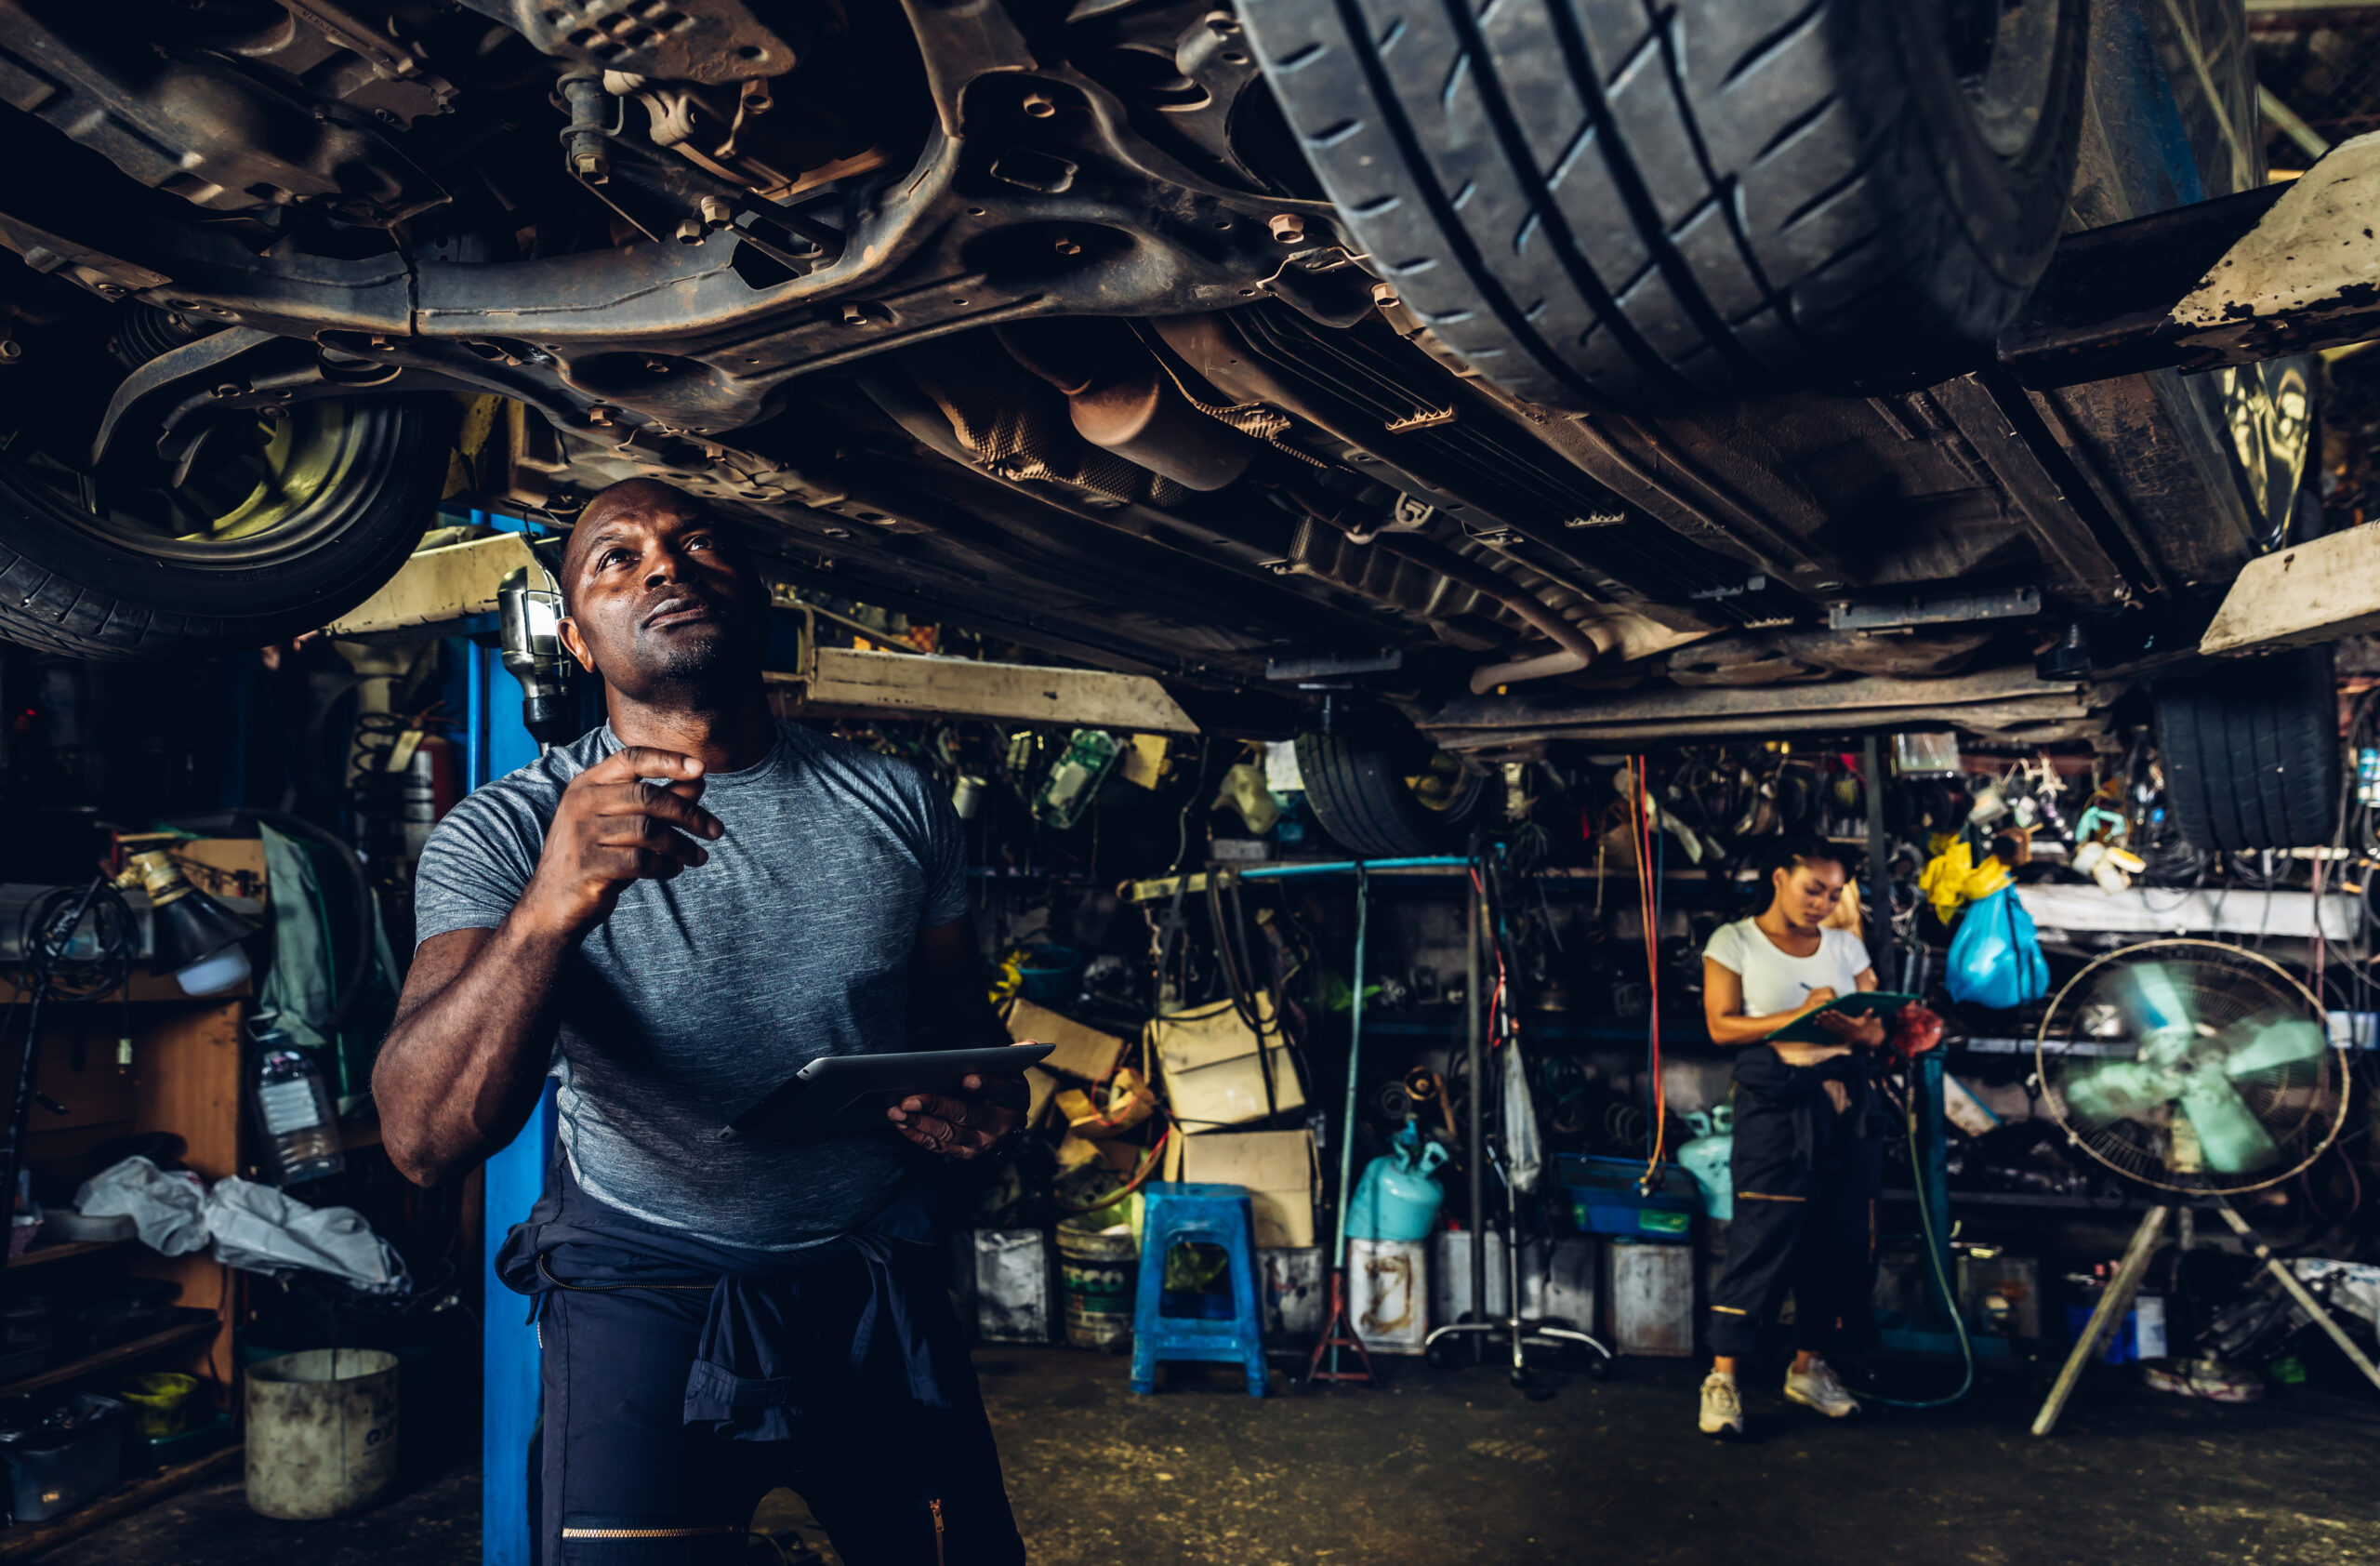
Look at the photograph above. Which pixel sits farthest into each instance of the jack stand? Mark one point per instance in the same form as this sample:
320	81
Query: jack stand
1338	1332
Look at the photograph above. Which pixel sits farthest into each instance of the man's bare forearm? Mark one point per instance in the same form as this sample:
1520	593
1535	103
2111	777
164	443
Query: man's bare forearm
461	1069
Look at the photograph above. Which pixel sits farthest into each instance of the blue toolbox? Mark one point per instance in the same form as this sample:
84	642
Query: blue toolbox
1600	1196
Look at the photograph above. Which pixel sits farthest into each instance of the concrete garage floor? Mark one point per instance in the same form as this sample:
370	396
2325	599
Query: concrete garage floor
1452	1465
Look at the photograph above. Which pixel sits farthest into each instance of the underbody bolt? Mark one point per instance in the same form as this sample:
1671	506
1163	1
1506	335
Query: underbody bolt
691	231
1069	247
1288	227
657	367
1385	295
10	350
714	211
602	413
1039	105
583	142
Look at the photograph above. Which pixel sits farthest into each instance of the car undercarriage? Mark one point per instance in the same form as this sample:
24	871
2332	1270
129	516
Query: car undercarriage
1072	324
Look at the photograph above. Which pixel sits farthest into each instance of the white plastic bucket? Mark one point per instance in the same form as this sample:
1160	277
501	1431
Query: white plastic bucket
322	1437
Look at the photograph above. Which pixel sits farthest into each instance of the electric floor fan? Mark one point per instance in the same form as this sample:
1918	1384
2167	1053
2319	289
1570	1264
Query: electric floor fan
2196	1070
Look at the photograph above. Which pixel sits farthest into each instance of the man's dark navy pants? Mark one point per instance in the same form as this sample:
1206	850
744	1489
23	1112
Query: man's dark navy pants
626	1482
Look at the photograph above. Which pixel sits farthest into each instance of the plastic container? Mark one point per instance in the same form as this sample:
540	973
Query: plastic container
66	1226
1602	1199
321	1432
163	1402
1100	1272
61	1451
1388	1293
26	1323
1050	973
300	1125
211	1431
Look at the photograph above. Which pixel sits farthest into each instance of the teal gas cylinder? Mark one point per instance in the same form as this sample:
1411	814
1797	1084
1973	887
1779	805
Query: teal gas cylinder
1396	1198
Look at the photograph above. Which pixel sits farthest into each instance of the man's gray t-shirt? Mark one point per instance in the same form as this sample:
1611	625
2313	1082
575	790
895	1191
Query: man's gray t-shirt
701	994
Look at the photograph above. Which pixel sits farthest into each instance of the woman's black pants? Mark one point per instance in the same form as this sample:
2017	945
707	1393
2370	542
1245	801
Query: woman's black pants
1806	1188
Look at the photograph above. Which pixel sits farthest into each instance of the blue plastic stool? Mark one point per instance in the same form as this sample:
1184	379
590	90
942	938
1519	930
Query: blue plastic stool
1215	1215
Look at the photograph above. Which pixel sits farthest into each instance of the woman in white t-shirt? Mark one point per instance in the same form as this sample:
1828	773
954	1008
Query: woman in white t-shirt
1805	1167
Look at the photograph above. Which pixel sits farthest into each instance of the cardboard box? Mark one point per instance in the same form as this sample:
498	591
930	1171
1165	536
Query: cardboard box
1079	1051
1212	1073
1278	1169
1081	1054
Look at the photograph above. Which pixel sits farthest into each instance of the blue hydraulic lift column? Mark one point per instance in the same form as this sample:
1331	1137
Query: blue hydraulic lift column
496	742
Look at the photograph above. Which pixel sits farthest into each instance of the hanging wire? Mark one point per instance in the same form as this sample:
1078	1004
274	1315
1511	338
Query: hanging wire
1649	909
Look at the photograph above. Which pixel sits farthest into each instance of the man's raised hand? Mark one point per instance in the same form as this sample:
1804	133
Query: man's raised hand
613	828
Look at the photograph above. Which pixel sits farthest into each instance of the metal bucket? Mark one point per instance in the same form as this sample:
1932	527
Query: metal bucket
321	1438
1100	1272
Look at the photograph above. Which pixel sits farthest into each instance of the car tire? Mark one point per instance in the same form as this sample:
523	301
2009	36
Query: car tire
1359	793
71	585
1613	204
2251	753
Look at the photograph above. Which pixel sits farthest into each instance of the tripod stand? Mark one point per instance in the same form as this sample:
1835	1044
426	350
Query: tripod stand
1523	1334
2117	1299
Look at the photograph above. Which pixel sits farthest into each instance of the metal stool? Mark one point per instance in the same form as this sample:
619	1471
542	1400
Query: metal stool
1216	1215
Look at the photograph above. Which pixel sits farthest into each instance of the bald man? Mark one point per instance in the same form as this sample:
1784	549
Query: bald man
671	917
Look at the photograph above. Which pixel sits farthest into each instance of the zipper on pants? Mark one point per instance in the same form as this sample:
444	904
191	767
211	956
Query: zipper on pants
934	1507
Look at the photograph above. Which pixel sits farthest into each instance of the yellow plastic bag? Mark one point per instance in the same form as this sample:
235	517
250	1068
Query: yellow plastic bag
1952	879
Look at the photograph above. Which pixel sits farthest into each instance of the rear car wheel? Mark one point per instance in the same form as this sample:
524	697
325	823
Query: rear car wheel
274	527
2251	753
1611	203
1379	801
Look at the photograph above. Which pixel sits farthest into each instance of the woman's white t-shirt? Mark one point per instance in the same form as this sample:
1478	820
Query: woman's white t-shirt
1776	981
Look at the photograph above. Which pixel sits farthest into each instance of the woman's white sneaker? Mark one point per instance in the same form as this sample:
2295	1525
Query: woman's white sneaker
1722	1409
1818	1388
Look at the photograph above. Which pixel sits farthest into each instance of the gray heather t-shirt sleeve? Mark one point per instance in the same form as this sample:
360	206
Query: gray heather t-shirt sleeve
482	854
943	854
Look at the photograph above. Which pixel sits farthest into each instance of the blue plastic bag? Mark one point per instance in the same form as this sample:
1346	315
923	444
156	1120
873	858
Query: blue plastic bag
1996	958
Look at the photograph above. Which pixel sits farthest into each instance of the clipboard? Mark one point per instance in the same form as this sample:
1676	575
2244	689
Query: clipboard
1806	1029
845	1095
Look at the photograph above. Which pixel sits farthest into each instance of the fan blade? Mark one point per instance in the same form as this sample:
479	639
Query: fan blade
2161	1012
2264	1046
2114	1090
2230	1137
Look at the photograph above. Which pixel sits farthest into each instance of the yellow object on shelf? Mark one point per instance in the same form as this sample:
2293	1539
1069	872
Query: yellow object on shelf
163	1402
1952	879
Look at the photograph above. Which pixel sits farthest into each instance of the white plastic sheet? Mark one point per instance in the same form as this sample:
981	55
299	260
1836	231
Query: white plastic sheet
1524	1149
168	1209
260	1230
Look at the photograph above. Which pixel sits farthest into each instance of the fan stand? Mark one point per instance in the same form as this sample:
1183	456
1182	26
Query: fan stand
2118	1297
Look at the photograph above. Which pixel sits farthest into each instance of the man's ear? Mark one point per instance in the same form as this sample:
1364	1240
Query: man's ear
576	644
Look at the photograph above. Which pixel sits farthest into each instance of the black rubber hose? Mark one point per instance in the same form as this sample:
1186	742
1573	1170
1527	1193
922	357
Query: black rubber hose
297	826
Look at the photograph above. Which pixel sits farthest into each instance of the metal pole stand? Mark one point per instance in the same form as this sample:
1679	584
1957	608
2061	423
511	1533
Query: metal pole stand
1524	1335
1338	1328
2113	1304
2298	1292
2118	1299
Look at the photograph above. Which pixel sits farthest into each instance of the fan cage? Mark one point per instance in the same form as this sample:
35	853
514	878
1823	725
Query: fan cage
2301	1104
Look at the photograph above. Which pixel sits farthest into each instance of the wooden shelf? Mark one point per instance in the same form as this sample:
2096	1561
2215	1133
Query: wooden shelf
64	1250
108	1358
32	1538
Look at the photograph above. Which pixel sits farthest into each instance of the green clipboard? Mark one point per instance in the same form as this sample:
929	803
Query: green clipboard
1806	1029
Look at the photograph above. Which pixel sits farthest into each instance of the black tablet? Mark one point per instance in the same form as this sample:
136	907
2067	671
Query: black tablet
847	1095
